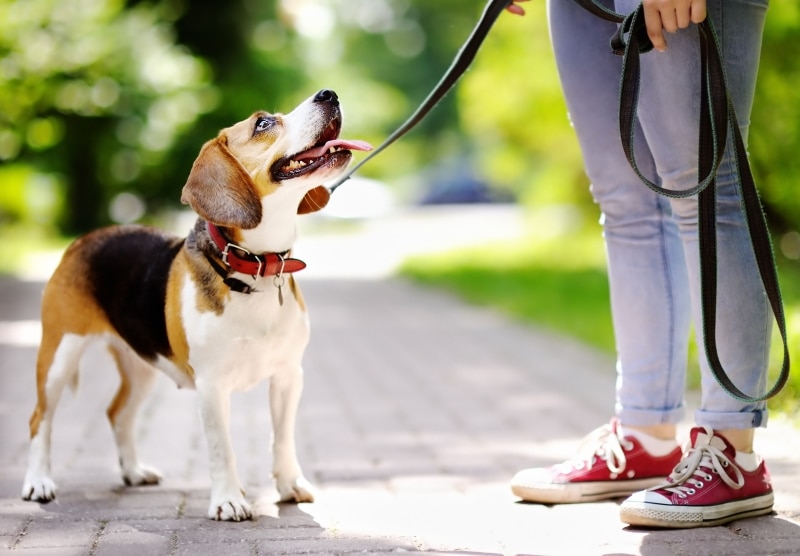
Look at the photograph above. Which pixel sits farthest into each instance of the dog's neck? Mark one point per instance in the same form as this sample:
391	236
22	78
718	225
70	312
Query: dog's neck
277	231
275	234
233	258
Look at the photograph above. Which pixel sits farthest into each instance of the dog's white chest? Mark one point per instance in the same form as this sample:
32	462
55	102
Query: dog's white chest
254	338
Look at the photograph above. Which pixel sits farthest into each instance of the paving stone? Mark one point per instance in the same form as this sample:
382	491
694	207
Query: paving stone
417	410
54	532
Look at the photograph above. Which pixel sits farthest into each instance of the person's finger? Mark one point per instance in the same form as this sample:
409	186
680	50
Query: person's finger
669	19
698	11
683	17
655	27
515	9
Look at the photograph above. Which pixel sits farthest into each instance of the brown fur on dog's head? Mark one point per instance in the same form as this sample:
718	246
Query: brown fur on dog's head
220	190
225	183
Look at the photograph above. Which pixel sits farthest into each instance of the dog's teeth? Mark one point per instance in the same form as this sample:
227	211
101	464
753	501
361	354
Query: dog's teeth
298	164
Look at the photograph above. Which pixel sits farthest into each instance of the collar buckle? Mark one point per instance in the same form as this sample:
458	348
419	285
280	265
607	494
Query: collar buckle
226	252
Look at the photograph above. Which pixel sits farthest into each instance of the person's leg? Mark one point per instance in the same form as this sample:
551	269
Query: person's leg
668	114
647	278
719	479
646	269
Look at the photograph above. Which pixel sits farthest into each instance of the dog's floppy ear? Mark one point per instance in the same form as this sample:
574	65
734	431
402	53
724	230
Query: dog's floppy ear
220	190
315	200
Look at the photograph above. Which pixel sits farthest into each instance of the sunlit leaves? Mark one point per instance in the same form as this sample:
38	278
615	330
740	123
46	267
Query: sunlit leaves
65	62
92	58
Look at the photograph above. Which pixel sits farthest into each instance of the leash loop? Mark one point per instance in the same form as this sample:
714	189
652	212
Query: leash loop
634	27
717	116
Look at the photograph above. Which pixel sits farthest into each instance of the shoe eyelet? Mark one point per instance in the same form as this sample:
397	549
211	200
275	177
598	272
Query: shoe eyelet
691	492
708	478
699	484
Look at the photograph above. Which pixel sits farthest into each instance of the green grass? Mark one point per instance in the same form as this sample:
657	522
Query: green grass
560	284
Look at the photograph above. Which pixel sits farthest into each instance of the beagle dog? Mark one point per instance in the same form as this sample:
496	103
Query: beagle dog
217	311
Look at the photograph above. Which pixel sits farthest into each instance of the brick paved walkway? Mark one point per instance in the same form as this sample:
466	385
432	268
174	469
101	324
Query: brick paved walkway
417	411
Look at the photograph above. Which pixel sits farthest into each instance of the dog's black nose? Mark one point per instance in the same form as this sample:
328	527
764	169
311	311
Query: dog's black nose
326	95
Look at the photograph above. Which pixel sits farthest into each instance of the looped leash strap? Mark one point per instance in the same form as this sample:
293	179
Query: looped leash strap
457	68
717	116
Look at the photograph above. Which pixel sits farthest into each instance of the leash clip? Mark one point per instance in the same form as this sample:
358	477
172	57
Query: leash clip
260	266
278	280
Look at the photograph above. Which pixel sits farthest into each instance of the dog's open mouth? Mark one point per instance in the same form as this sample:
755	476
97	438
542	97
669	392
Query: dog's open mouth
329	151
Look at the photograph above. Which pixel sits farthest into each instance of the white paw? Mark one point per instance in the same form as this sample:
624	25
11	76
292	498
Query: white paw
234	508
297	490
38	488
140	475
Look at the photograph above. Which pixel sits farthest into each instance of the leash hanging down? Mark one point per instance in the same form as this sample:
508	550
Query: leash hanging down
716	118
457	68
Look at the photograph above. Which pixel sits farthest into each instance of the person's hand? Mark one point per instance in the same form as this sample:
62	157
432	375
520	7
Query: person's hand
515	9
669	16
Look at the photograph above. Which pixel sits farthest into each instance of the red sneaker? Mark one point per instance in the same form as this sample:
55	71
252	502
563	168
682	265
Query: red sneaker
707	488
607	466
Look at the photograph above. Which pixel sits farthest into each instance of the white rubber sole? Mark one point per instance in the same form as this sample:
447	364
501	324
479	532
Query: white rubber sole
649	514
571	493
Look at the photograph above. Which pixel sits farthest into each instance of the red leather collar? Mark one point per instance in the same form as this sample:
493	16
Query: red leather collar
241	260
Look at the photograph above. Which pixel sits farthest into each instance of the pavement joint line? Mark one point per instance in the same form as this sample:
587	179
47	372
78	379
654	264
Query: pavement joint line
23	531
98	537
410	450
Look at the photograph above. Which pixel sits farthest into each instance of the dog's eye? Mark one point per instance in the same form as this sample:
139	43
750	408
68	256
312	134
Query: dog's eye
263	124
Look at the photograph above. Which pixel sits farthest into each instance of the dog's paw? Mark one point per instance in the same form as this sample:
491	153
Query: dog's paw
232	509
140	475
297	490
38	488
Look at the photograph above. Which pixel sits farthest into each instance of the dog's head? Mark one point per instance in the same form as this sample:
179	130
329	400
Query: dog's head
270	154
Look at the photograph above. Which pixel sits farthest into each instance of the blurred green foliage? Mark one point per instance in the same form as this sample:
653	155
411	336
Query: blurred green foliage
93	93
105	103
775	126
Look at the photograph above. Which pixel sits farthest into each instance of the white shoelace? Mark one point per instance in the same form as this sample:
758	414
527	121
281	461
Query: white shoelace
605	444
691	473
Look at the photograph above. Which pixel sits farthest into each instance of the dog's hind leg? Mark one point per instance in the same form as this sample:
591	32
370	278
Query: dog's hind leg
136	381
284	391
56	365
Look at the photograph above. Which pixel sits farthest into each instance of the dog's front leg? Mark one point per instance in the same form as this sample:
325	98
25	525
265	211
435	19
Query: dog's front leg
285	390
227	497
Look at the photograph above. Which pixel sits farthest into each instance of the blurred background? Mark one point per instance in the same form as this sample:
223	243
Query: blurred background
104	105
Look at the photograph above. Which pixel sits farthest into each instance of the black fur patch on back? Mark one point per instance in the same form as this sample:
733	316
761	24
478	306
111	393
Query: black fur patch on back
128	270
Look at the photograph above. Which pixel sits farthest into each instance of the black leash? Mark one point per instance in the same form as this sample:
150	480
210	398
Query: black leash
717	116
457	68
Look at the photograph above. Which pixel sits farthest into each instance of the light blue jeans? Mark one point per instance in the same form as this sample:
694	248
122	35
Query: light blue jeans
651	241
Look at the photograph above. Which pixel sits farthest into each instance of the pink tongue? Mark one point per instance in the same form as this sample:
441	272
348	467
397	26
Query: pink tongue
349	145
